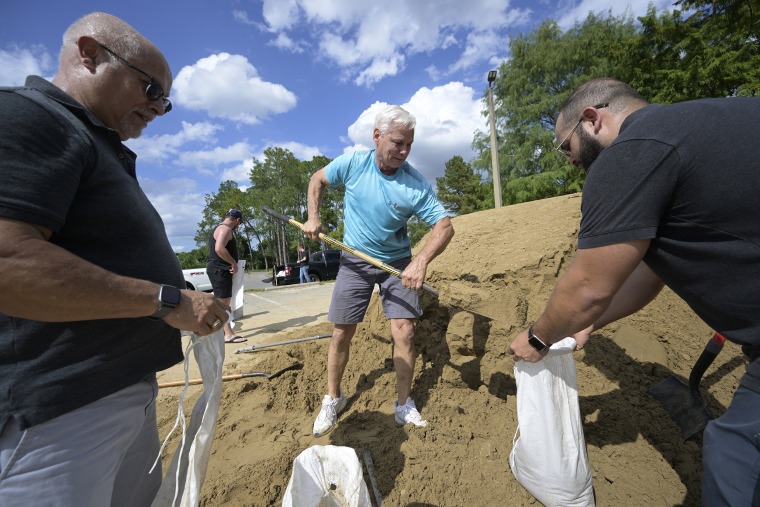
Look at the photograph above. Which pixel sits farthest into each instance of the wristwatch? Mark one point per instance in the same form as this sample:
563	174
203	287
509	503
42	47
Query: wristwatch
168	300
535	341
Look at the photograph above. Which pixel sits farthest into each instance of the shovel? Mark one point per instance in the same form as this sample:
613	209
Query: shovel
342	246
684	402
375	262
225	378
234	376
254	348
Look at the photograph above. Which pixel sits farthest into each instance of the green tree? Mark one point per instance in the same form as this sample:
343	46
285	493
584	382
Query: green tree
713	52
459	189
279	182
546	65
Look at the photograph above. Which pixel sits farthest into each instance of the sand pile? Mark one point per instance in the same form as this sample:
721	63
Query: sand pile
502	263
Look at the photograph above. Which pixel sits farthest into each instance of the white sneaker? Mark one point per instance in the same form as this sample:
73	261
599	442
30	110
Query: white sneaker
407	413
328	416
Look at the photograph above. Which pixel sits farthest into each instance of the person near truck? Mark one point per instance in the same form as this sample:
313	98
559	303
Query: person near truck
670	198
223	264
90	305
383	191
303	264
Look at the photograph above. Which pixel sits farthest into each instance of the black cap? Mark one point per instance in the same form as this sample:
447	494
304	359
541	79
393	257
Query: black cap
235	213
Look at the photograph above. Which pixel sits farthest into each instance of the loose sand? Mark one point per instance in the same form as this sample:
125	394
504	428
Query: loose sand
503	263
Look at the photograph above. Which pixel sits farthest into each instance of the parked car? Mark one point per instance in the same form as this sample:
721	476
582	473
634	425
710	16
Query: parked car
197	279
323	265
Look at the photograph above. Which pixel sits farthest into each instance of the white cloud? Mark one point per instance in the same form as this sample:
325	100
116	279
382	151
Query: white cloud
286	43
16	63
219	155
280	14
371	41
180	205
228	86
167	146
447	116
571	11
242	17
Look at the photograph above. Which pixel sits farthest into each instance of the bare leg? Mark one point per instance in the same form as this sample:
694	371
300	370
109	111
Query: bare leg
337	356
228	333
404	355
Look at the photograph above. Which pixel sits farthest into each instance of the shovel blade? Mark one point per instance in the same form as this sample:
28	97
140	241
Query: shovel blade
686	407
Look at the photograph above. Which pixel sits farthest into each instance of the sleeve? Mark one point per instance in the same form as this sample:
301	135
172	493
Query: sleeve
627	192
41	163
337	170
429	209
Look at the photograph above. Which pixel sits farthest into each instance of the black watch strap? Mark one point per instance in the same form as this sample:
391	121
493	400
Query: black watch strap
168	299
535	341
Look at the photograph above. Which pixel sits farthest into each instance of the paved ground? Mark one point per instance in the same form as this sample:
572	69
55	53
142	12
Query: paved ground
269	311
266	312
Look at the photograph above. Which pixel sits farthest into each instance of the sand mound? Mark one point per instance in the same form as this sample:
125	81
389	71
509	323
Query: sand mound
502	263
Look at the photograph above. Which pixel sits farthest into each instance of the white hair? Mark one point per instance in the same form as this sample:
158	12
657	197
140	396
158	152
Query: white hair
394	115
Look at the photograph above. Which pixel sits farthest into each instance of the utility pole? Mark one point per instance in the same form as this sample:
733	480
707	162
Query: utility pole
494	148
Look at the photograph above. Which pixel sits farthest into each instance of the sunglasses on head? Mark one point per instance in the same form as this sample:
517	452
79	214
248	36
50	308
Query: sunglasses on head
154	91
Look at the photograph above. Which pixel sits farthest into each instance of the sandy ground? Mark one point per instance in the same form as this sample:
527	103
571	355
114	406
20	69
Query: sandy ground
502	263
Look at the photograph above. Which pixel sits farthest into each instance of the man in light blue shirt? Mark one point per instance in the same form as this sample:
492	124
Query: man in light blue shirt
383	191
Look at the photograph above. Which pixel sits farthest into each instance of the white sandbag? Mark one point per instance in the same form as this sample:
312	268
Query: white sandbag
238	291
327	476
183	481
549	457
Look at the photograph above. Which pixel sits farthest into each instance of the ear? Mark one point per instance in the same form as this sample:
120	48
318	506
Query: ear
594	116
376	136
89	52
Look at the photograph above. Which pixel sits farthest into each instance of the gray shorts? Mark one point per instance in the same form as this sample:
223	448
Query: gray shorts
353	290
96	455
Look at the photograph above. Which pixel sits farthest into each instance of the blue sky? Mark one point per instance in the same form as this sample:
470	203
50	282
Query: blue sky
306	75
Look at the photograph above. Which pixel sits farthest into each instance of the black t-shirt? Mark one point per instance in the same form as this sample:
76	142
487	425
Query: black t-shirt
687	176
62	169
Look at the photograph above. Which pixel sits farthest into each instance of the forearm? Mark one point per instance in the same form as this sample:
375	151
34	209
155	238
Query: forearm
438	240
572	307
315	194
41	281
600	285
638	291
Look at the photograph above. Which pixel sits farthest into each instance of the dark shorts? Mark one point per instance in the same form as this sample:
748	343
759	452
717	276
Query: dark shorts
353	290
221	281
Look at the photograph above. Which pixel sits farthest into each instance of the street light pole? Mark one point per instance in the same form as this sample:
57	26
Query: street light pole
494	149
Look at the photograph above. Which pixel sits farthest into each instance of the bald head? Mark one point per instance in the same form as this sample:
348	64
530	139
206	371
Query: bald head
109	67
620	97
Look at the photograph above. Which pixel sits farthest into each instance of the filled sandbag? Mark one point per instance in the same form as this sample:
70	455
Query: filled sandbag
549	457
327	476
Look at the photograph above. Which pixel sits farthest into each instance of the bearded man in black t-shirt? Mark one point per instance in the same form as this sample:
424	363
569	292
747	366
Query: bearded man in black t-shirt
670	199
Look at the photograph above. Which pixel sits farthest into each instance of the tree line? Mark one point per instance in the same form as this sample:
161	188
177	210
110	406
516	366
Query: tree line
699	49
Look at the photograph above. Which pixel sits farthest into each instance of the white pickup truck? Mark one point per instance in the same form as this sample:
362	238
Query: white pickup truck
197	279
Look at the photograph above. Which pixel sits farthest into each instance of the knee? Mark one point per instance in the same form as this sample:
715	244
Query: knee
341	338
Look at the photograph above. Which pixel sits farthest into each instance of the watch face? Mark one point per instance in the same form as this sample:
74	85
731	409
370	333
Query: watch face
170	295
536	343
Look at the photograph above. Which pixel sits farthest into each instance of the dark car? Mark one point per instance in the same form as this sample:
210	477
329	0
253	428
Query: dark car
323	265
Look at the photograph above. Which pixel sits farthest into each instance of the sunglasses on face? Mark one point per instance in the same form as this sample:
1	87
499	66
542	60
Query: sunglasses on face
154	91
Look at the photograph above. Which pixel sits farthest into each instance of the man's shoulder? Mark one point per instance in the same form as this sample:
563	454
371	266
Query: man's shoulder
353	157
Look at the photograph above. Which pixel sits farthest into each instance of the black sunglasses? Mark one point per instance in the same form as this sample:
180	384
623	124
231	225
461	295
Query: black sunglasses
154	90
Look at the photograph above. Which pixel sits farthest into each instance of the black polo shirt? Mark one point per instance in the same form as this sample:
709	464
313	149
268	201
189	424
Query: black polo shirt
61	168
687	176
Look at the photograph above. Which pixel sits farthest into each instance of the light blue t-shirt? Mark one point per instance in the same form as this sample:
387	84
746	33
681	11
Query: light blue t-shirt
377	207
